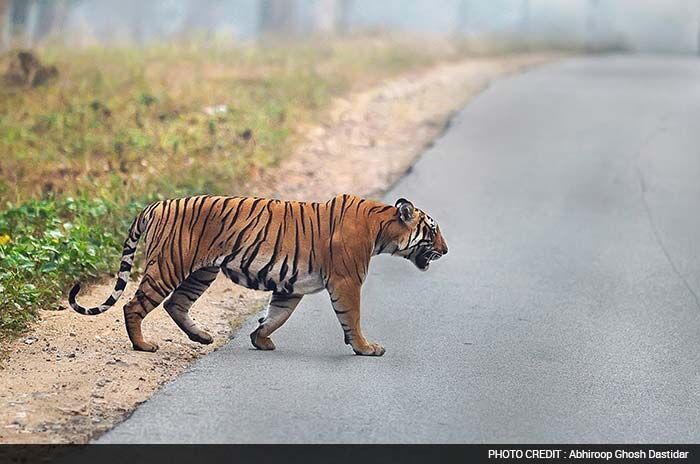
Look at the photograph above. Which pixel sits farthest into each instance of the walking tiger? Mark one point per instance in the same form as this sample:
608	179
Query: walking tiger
289	248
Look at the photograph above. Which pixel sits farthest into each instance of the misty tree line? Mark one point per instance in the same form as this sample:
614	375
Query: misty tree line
31	22
591	24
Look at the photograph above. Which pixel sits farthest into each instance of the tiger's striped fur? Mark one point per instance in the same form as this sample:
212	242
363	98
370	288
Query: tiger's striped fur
286	247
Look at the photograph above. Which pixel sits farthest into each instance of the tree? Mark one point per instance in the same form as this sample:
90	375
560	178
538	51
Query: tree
45	19
343	17
4	23
30	26
277	17
331	16
19	13
202	15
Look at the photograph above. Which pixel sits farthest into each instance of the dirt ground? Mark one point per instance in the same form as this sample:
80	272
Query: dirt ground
71	377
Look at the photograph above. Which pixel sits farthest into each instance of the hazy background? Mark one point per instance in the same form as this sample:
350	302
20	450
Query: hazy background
653	26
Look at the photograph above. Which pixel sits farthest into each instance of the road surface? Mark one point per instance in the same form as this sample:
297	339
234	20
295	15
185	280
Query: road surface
566	311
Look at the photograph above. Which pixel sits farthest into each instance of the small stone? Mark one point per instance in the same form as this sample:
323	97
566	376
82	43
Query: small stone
21	419
71	355
29	341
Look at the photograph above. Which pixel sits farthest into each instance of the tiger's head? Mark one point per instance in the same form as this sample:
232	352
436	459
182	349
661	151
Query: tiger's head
417	236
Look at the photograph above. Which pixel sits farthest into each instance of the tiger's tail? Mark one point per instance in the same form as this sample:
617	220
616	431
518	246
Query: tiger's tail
127	261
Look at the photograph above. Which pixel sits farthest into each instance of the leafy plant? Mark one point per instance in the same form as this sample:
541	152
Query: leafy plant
48	244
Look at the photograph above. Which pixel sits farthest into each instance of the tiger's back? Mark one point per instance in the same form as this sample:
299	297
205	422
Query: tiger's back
279	246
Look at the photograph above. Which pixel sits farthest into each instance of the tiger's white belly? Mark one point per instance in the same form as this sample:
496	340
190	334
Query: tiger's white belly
309	283
280	277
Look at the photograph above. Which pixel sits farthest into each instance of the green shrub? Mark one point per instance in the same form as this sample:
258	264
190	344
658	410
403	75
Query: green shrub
45	245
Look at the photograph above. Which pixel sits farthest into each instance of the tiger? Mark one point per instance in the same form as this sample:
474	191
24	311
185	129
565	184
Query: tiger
289	248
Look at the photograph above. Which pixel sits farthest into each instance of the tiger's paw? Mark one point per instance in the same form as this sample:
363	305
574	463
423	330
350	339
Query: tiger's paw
201	337
261	343
370	349
145	346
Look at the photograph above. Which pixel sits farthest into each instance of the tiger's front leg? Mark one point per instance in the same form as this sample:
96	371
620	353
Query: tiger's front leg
345	297
278	311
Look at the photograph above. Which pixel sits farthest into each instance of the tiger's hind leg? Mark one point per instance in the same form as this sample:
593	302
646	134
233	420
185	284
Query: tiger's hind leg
182	299
148	296
280	308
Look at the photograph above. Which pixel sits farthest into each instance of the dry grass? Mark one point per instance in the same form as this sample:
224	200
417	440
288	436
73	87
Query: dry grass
123	123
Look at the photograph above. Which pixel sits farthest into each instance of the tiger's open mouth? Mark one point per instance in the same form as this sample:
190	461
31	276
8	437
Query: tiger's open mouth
424	259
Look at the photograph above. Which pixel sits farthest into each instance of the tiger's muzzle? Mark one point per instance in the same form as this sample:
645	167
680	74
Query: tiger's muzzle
424	259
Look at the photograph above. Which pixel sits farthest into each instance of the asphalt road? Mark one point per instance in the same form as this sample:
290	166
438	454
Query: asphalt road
566	310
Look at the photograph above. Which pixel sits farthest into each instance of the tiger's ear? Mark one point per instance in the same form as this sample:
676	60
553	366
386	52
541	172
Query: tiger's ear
406	209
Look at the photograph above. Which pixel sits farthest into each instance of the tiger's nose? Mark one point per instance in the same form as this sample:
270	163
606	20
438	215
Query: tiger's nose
441	246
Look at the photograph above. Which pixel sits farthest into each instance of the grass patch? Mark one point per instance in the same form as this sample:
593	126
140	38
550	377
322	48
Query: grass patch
169	118
48	243
122	127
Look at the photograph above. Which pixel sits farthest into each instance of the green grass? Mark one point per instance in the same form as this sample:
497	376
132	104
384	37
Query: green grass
121	127
51	243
